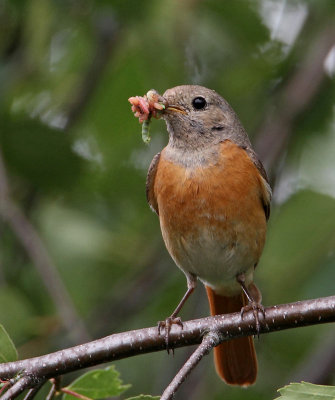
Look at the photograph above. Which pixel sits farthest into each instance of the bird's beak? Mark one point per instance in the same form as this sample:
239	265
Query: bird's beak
174	108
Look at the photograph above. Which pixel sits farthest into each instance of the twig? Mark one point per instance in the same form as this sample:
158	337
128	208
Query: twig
75	394
294	98
126	344
22	384
34	247
209	341
107	33
5	385
51	393
55	386
32	392
31	242
107	29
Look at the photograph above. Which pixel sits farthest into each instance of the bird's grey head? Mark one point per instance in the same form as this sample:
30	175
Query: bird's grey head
198	117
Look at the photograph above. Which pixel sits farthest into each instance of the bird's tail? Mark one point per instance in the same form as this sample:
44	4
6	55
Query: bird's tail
235	360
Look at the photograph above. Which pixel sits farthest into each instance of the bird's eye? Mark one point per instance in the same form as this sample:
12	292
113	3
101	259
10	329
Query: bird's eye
199	103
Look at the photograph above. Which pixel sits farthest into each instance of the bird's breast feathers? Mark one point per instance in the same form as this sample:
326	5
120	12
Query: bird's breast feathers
212	215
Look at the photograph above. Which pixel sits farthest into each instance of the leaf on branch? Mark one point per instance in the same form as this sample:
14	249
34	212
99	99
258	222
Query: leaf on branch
8	351
98	384
144	397
306	391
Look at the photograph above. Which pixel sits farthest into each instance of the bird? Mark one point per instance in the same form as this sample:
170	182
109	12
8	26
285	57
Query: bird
212	196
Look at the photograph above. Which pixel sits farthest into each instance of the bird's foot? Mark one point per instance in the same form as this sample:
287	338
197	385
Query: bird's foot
256	308
166	326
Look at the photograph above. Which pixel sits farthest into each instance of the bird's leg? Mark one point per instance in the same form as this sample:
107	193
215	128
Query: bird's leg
254	297
173	319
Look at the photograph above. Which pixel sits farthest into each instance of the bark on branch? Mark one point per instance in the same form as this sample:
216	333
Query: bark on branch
127	344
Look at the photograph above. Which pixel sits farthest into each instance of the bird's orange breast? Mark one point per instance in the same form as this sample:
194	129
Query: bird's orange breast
212	215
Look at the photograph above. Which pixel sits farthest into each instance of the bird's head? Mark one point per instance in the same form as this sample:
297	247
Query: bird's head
197	117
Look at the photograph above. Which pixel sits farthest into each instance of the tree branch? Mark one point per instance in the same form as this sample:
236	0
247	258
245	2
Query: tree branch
107	30
106	34
293	99
33	392
127	344
210	340
34	247
18	387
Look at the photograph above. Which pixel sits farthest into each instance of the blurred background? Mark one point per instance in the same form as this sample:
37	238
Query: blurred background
81	254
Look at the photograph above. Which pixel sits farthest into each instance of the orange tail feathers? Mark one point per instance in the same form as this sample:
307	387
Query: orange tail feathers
235	360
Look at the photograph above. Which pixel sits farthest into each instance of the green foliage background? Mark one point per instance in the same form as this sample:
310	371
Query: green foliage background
76	166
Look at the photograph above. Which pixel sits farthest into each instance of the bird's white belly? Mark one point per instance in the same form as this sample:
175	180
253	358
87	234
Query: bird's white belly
214	259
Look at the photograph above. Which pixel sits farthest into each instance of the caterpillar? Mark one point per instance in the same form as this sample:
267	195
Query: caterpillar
145	131
145	107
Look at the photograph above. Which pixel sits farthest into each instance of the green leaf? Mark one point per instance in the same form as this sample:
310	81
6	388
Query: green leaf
306	391
144	397
7	349
98	384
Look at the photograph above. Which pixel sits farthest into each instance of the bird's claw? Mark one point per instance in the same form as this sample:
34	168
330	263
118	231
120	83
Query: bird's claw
256	308
166	326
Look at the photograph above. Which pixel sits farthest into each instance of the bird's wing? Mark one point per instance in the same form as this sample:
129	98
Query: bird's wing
266	192
151	198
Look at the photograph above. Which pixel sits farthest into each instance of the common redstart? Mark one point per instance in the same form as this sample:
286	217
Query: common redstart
212	196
